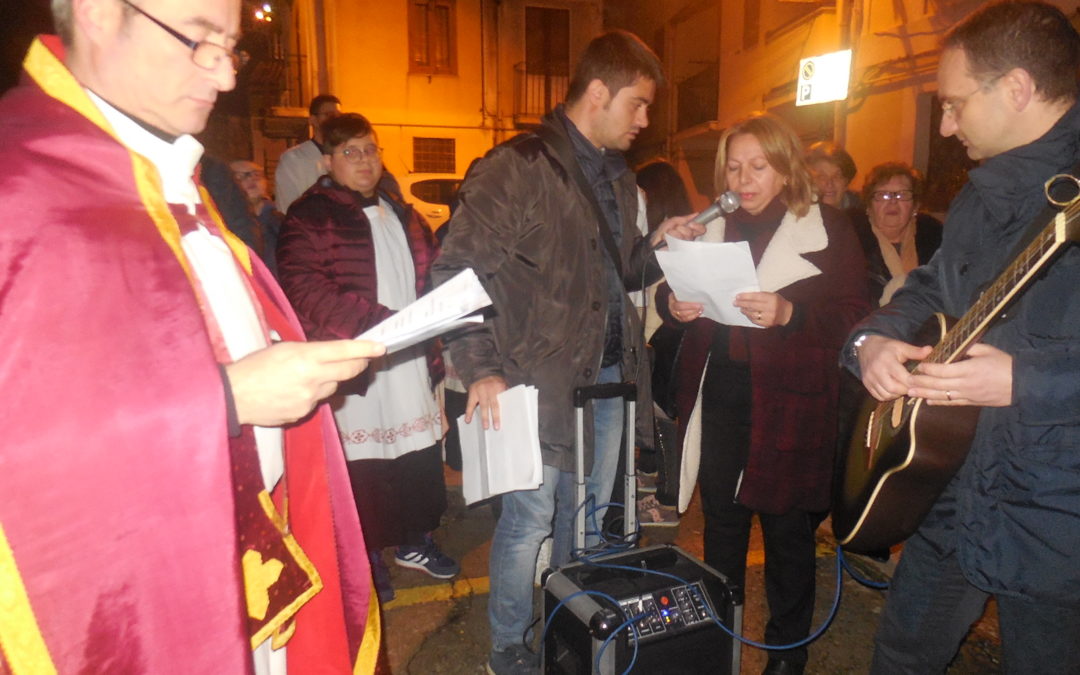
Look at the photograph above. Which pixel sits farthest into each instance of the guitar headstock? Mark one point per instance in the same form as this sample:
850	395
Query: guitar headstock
1064	190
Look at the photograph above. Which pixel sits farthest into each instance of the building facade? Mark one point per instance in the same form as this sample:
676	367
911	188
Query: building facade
442	81
727	59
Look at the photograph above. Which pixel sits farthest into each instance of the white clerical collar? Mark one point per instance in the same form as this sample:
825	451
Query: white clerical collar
174	161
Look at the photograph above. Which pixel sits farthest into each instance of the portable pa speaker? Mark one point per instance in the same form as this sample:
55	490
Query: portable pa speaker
676	634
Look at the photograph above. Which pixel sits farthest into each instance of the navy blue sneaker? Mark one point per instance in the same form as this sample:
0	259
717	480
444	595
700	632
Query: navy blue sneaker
514	660
427	558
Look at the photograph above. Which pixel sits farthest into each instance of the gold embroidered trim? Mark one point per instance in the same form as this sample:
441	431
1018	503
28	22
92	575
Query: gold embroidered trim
58	82
282	636
239	248
290	610
368	655
21	641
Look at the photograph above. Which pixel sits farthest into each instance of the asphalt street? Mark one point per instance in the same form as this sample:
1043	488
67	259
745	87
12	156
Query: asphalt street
436	627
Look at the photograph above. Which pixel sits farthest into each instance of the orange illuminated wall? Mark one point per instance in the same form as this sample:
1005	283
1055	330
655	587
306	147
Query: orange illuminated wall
370	67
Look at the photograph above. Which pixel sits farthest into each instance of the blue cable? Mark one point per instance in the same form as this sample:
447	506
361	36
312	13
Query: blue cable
760	645
608	543
588	556
632	623
879	585
615	604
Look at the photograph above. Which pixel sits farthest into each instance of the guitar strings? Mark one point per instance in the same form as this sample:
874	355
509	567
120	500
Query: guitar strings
1045	242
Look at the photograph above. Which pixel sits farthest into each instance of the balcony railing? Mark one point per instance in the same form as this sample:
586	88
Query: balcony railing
535	94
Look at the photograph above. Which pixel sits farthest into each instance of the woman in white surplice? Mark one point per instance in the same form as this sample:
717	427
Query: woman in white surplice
350	254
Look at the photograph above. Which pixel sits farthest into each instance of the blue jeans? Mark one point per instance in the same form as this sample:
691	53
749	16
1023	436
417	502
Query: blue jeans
931	606
528	517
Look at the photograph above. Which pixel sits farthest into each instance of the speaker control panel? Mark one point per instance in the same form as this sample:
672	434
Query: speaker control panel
666	611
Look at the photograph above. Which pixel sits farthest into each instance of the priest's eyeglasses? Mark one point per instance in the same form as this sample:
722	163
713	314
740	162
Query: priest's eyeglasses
888	196
356	155
204	54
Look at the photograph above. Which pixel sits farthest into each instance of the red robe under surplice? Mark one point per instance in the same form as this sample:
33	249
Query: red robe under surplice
118	539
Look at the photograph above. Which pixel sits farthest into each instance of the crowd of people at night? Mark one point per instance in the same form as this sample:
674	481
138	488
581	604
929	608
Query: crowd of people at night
205	471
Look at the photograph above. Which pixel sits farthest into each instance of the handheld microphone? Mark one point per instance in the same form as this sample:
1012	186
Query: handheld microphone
728	202
725	203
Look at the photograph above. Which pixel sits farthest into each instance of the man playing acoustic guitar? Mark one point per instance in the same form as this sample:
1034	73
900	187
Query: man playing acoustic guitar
1008	523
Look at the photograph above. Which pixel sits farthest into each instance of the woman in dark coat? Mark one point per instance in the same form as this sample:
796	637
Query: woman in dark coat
895	237
349	256
762	418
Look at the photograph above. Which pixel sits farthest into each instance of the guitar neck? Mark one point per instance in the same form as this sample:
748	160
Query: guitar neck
1009	284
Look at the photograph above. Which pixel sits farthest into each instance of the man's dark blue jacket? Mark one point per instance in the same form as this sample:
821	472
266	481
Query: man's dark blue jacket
1013	510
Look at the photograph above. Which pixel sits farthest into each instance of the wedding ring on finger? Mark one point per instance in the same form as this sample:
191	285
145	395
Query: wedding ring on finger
758	317
948	395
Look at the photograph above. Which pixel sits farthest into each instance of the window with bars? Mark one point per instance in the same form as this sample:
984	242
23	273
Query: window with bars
547	59
431	37
434	155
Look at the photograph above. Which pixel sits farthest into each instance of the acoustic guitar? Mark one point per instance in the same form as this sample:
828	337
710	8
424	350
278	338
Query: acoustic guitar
903	452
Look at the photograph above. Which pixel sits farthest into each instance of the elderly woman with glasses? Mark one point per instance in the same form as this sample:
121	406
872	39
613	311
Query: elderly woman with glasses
895	237
350	254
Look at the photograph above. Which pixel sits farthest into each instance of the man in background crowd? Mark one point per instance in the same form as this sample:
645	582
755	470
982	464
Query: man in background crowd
301	165
251	179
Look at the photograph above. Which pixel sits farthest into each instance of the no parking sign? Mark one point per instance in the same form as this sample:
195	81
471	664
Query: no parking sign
823	78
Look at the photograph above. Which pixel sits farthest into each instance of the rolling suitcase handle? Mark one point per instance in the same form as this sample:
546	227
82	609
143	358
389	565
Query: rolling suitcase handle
628	392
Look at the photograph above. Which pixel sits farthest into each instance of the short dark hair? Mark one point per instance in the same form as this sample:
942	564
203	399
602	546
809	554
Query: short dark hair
1034	36
617	58
883	173
831	152
319	100
338	130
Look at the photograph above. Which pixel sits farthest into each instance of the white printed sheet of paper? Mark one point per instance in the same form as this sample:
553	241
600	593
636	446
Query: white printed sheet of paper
445	308
711	273
507	459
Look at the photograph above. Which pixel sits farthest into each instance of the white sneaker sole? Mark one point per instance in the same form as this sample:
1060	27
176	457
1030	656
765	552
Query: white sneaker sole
422	568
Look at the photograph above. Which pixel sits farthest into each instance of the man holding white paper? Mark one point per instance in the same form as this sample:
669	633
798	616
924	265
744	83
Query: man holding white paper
501	460
547	220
